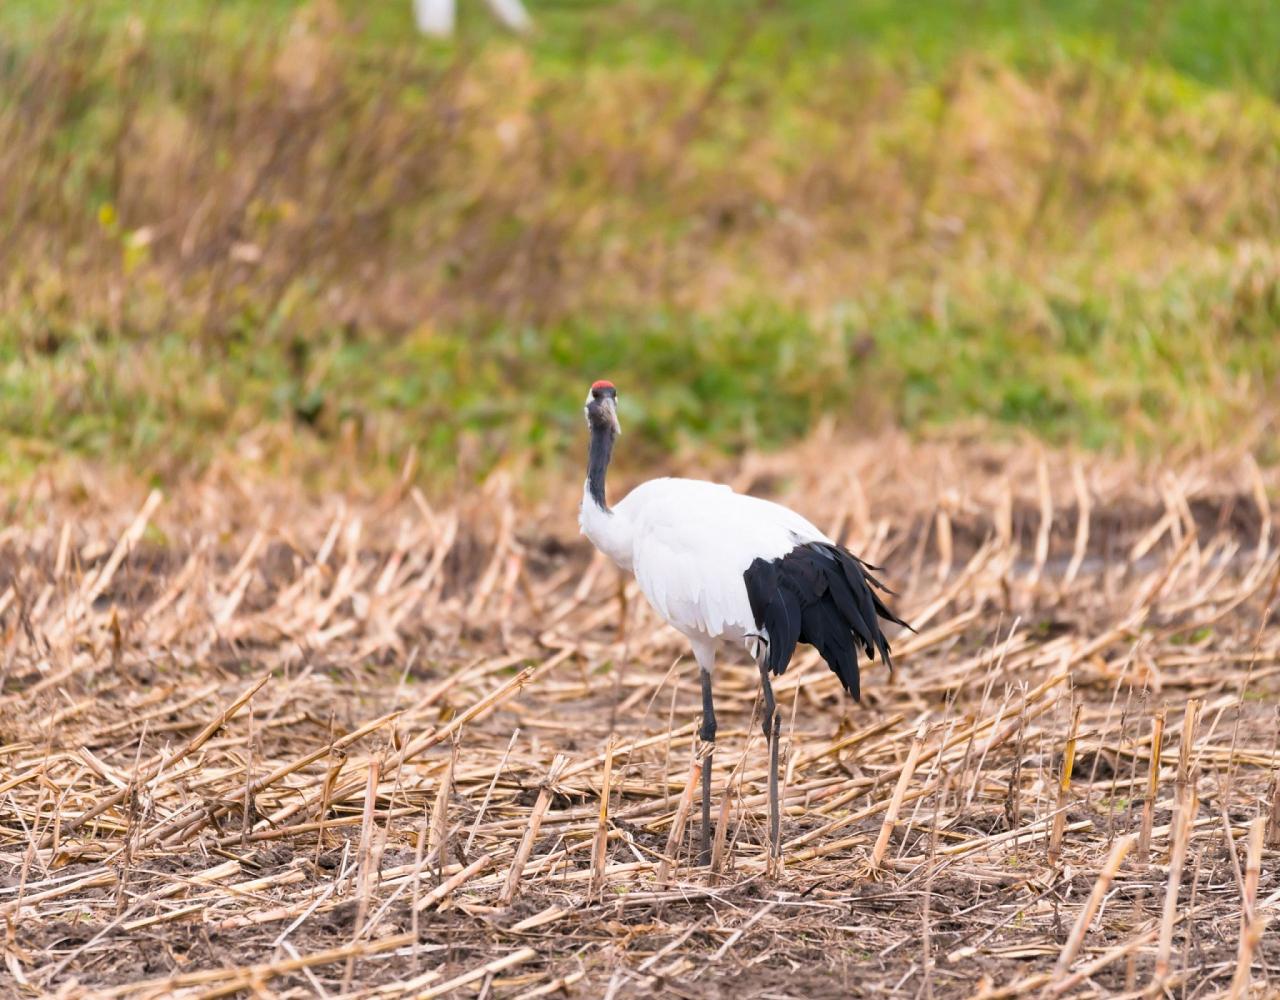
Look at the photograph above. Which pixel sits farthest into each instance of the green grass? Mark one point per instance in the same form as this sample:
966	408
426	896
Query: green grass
759	376
1057	217
1219	42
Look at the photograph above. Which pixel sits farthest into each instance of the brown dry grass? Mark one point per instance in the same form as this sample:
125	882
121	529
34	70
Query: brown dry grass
302	183
252	744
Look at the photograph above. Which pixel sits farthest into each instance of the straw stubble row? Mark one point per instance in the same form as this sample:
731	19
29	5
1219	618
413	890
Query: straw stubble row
512	775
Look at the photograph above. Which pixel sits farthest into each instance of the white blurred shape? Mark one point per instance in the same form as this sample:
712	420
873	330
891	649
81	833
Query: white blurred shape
435	17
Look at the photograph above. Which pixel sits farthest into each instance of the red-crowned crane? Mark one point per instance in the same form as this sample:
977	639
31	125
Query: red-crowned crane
719	566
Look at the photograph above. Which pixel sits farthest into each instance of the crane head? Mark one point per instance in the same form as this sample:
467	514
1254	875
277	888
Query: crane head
602	406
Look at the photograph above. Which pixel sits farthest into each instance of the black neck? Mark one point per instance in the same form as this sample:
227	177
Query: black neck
598	461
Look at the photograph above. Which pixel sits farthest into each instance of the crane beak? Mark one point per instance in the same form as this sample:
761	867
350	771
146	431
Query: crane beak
610	407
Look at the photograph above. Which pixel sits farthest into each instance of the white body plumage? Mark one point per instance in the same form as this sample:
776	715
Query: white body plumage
689	542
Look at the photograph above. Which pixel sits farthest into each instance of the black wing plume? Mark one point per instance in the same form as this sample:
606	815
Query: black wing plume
821	594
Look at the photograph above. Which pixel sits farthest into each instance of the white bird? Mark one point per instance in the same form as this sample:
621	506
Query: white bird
719	566
439	17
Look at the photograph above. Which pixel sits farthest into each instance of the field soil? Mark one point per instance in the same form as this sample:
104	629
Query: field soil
256	742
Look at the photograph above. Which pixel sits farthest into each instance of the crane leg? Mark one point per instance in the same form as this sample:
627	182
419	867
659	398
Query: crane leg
708	736
772	727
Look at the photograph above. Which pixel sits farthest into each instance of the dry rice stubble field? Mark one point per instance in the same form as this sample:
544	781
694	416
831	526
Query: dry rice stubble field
254	745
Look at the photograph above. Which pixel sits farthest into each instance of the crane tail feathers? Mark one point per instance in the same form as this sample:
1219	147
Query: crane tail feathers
821	594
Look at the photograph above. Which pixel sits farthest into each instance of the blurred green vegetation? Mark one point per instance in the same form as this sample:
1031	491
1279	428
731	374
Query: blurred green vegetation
279	230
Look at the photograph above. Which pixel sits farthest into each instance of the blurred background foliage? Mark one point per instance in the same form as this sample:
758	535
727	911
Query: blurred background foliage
285	231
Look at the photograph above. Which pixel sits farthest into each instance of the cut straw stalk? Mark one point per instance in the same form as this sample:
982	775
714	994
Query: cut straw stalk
721	833
1273	824
449	885
1082	526
669	855
1183	817
234	978
493	782
1252	921
364	864
751	921
337	759
600	850
1186	743
540	807
1064	789
1153	787
895	803
1109	871
559	985
488	969
1046	521
101	881
440	812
